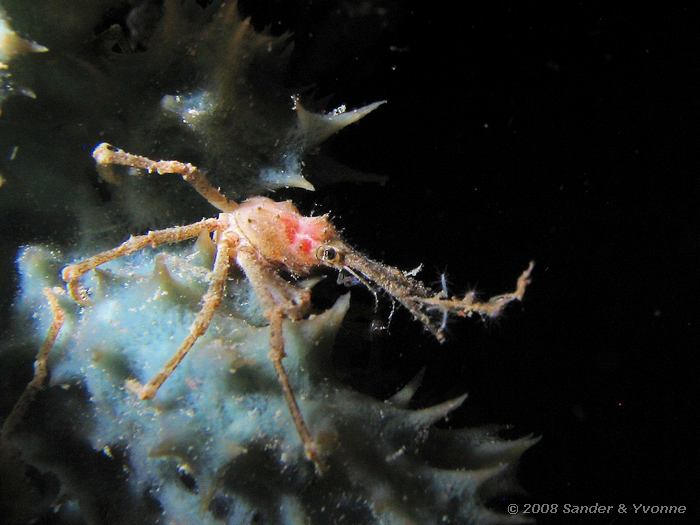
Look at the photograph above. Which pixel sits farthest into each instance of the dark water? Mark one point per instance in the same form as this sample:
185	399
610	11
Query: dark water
568	136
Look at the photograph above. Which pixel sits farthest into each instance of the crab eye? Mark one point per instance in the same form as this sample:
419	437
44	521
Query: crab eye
327	254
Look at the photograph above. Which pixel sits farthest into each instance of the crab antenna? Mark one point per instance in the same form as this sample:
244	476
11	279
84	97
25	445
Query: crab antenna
367	285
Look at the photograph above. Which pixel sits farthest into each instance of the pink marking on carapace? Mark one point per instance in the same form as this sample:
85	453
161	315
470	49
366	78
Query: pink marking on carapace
303	233
305	246
291	227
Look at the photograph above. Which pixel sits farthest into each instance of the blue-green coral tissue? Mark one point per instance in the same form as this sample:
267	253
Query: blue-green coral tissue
217	444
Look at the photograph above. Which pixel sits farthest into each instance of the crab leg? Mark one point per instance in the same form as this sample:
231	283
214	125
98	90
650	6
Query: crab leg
212	299
41	369
281	299
73	272
106	154
277	354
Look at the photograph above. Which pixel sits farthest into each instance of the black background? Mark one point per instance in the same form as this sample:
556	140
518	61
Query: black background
568	136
